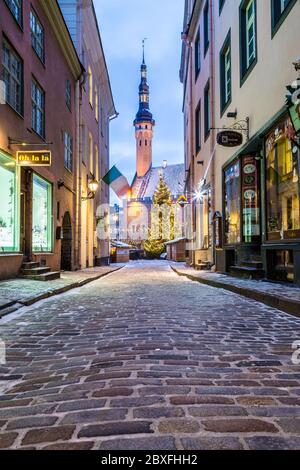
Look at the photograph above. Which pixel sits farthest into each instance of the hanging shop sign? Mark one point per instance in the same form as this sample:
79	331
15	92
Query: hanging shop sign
294	112
229	138
182	201
250	200
293	104
283	130
34	158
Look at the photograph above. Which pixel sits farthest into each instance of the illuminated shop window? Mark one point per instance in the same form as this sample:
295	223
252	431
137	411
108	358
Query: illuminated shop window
41	215
283	216
9	216
232	204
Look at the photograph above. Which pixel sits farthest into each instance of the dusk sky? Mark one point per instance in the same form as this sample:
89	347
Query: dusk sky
123	25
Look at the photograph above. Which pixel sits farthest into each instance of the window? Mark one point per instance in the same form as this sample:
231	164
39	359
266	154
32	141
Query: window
144	98
146	142
9	218
282	176
221	4
37	36
248	41
38	109
280	10
207	110
225	74
91	89
69	94
91	153
15	7
206	27
41	215
197	55
12	77
68	154
232	204
96	104
97	162
198	128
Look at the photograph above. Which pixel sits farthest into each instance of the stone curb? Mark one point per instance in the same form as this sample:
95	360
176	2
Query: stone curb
16	305
285	305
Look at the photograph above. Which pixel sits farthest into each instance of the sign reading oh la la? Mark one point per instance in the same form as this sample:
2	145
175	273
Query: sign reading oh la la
37	158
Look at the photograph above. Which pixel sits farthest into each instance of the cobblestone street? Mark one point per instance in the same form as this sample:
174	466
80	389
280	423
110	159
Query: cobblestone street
145	359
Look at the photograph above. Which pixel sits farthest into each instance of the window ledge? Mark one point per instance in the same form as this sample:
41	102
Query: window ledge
11	253
246	74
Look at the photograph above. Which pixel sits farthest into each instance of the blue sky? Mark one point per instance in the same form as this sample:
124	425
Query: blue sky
123	25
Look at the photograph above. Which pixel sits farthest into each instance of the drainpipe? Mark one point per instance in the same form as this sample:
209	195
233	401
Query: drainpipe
213	117
192	146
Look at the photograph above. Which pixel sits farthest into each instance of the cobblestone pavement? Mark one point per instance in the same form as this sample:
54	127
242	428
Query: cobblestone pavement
285	297
146	359
283	290
27	291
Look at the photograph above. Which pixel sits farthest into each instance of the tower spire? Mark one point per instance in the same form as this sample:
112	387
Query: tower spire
144	124
144	40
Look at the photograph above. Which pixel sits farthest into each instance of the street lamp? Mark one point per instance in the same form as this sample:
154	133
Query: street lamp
93	186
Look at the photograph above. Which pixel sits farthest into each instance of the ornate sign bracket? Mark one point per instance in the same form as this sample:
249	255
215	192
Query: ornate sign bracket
240	126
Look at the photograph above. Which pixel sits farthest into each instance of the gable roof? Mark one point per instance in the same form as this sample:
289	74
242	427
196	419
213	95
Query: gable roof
145	186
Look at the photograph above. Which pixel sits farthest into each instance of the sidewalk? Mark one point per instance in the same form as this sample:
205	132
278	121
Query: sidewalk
15	293
280	296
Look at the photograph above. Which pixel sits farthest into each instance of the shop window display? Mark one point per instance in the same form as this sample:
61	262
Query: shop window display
9	227
41	215
283	212
232	204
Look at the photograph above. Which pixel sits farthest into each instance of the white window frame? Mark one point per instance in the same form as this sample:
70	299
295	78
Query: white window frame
250	24
68	153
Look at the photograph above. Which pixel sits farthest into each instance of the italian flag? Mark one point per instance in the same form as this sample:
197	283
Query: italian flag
117	181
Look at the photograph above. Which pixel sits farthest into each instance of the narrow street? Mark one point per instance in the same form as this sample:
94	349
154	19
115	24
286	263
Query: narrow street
146	359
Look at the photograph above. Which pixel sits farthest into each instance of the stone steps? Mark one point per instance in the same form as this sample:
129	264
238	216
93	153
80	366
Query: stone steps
34	271
246	272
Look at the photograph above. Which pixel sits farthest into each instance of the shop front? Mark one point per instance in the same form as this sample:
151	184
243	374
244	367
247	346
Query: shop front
281	248
204	235
26	216
242	217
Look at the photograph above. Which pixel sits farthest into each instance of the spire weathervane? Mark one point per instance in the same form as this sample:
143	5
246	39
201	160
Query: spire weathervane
144	40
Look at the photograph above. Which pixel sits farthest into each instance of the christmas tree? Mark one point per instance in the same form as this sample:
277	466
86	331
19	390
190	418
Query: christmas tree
162	194
162	201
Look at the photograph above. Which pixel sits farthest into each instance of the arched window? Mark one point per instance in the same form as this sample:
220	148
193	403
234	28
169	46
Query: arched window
91	89
140	143
146	142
